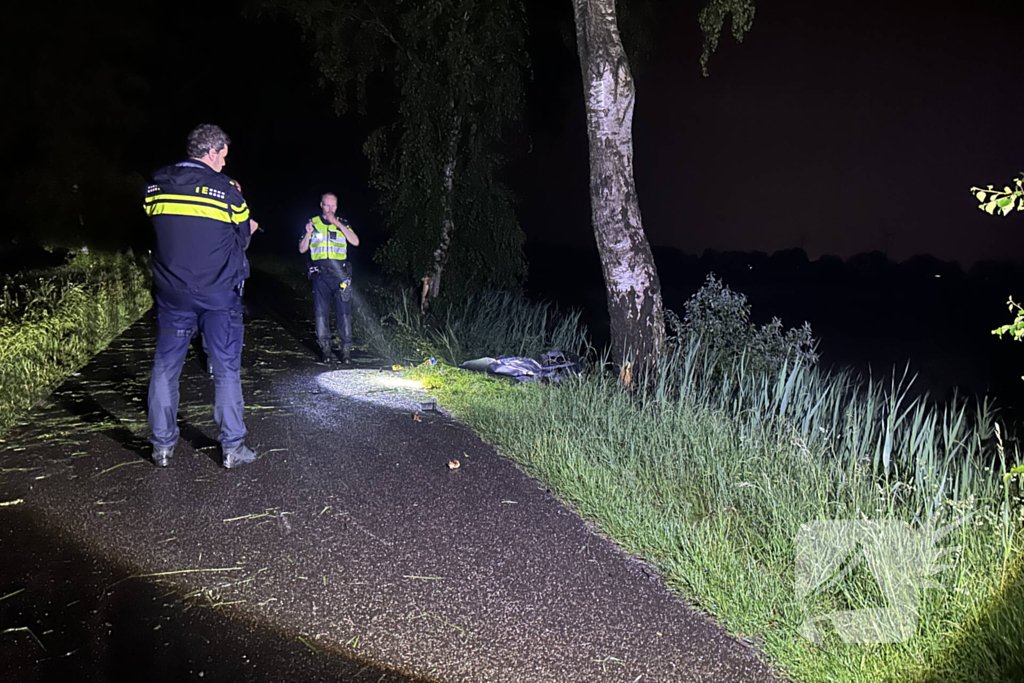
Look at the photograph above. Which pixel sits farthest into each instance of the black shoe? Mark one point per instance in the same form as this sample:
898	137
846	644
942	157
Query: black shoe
323	357
241	455
346	356
162	456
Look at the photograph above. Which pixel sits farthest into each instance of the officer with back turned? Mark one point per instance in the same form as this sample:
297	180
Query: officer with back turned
327	239
202	230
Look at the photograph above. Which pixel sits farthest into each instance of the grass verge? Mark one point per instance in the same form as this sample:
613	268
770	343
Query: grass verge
52	321
716	505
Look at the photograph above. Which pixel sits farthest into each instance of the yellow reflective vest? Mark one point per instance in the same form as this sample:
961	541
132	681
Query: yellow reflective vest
327	242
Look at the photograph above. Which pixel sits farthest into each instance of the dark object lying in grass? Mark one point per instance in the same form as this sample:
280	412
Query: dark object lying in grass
553	366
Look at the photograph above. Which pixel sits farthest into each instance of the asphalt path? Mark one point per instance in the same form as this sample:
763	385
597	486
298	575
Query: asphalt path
349	551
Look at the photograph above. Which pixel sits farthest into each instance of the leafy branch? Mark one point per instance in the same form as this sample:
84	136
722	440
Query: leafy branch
1016	328
1003	201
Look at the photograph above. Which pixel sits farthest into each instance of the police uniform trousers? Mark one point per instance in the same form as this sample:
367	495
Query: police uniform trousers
327	291
218	315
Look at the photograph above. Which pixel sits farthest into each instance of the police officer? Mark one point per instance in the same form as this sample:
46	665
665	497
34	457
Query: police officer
327	239
202	230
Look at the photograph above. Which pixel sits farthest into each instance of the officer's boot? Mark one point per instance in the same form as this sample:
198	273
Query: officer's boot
162	456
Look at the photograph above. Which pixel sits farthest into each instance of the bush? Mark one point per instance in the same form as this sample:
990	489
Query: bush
719	318
52	321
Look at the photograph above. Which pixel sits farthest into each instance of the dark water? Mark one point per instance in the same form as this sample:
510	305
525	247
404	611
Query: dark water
868	314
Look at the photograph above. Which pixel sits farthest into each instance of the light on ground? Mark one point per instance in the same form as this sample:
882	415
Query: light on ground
386	381
371	386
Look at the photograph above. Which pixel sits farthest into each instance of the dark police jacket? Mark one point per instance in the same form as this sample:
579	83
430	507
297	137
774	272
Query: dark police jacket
202	229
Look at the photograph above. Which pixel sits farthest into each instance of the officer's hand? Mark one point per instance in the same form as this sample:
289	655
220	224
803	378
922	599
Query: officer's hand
309	228
253	226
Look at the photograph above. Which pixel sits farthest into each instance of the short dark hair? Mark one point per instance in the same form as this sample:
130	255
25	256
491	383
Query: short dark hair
205	137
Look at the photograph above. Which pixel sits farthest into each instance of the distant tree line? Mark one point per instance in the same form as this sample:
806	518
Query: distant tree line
741	269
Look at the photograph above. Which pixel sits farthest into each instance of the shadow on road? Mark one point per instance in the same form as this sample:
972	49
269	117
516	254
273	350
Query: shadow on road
74	396
66	616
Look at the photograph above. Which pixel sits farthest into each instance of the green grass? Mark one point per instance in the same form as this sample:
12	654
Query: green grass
714	500
53	321
989	648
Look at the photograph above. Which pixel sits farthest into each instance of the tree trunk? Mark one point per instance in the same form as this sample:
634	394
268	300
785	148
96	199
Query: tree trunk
432	282
631	280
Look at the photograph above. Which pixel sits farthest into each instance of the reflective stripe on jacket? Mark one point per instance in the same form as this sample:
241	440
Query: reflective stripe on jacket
197	205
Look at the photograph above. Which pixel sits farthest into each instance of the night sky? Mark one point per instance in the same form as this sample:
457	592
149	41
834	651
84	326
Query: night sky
840	129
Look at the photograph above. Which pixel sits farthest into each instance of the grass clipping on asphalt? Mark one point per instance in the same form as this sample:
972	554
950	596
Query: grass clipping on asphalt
714	498
52	321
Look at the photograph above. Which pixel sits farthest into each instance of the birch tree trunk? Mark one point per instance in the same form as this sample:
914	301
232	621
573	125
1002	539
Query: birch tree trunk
432	282
631	280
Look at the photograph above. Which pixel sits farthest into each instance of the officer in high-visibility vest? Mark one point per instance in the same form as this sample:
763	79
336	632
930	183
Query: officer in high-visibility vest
202	228
327	240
